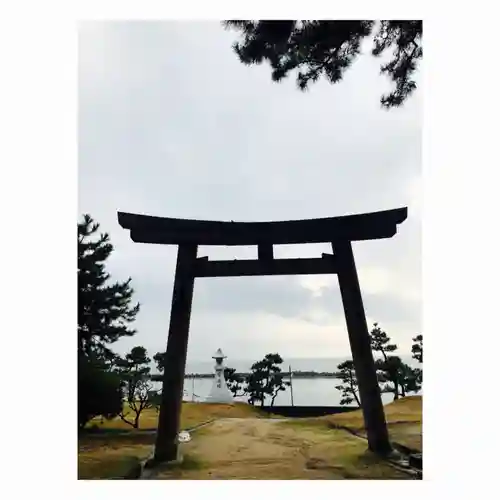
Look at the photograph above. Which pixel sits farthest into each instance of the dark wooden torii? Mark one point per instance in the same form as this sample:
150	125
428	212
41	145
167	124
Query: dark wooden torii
189	234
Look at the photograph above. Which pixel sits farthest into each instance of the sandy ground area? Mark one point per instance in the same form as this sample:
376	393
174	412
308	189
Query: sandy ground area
255	448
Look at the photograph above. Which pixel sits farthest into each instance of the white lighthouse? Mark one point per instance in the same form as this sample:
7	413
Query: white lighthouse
220	392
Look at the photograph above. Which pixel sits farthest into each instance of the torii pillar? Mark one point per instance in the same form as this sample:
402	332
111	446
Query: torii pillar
175	358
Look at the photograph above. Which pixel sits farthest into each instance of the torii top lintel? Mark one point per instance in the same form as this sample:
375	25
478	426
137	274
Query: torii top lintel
169	231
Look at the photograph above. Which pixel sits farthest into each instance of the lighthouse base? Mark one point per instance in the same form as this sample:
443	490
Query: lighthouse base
220	395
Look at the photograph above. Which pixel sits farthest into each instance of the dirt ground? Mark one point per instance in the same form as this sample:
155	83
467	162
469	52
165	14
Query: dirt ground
255	448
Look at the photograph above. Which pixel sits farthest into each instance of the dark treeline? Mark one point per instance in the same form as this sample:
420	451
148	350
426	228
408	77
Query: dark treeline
295	374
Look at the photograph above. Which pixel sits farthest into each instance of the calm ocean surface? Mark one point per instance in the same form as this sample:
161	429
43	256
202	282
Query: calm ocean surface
306	392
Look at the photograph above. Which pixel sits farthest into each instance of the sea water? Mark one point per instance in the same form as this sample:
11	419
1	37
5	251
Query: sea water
316	391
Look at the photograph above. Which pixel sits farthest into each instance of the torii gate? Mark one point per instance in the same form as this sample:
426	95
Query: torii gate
189	234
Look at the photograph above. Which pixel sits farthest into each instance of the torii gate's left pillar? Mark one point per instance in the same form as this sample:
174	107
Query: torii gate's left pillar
175	357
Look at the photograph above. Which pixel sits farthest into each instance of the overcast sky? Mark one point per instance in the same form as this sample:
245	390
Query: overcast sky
172	124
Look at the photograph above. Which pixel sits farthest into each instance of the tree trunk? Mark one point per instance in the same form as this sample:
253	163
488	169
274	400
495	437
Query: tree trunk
351	382
125	420
357	399
396	390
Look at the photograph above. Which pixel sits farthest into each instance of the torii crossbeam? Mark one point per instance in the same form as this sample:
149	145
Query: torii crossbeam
189	234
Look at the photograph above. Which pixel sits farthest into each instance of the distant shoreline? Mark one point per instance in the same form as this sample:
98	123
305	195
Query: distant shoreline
286	375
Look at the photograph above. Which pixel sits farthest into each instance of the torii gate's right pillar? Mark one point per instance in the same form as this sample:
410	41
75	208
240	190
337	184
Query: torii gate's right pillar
359	339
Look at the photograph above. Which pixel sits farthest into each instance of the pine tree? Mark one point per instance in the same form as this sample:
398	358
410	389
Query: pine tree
349	386
380	341
99	390
104	315
105	309
135	373
265	379
410	379
159	359
417	349
329	48
398	377
388	367
234	382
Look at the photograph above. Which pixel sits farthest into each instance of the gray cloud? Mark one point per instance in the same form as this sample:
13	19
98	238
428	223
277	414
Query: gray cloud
278	295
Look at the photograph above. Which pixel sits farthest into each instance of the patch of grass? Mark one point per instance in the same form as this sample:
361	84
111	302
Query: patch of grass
340	453
189	464
197	413
108	463
104	456
113	441
192	414
405	410
407	434
313	424
404	421
365	465
148	420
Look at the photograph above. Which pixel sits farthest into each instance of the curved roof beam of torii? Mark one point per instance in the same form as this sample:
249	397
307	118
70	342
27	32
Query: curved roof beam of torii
169	231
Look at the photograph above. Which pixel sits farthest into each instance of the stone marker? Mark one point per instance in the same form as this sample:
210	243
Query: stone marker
184	437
